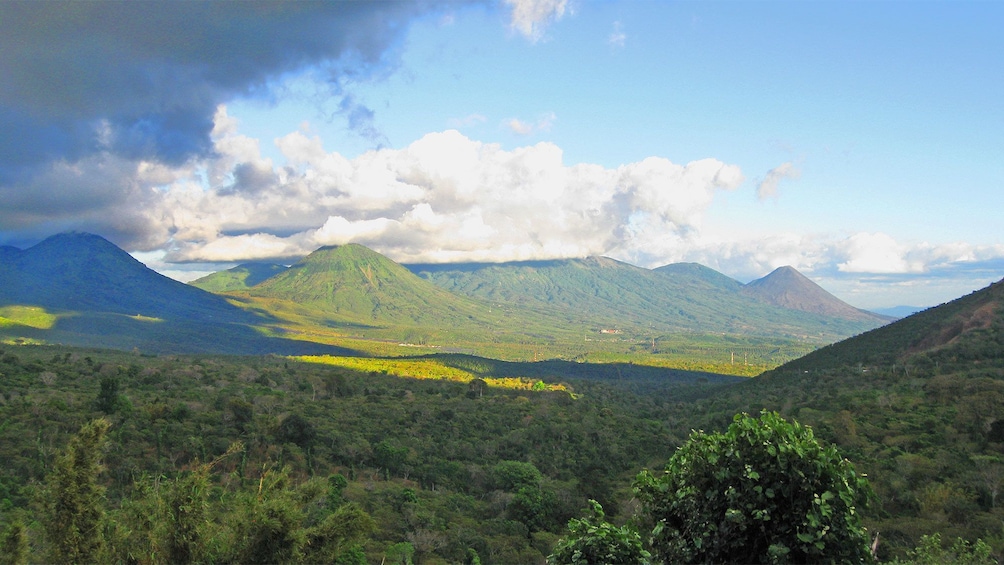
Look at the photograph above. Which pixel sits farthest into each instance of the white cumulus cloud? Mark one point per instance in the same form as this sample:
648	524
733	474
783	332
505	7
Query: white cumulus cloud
875	253
444	197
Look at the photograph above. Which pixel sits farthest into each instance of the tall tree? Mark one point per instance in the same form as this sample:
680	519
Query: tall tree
73	501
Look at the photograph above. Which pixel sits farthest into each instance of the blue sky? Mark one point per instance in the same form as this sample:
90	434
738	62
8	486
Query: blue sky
860	142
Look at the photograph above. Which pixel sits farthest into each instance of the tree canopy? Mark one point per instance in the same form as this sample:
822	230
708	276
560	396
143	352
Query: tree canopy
763	491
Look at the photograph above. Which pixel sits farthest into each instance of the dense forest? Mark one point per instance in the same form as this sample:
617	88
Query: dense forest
236	459
454	471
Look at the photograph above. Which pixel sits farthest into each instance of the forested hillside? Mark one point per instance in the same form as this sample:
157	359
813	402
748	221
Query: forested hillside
917	405
452	469
684	298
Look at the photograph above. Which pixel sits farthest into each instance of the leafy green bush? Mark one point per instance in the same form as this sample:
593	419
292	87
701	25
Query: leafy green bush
930	552
764	491
598	541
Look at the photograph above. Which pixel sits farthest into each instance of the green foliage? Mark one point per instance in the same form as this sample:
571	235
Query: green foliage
930	443
14	544
108	396
445	496
764	491
961	552
336	488
511	476
267	526
594	540
296	429
400	554
533	506
73	500
240	277
338	537
187	513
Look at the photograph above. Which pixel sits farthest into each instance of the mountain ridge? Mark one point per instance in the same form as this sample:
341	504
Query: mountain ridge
239	277
672	298
353	286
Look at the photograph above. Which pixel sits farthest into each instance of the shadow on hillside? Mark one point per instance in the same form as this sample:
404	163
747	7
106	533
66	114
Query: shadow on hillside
149	335
558	369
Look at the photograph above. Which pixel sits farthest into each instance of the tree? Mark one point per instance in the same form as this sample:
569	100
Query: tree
511	476
930	552
267	526
337	539
598	541
14	544
764	491
296	429
72	500
186	507
108	396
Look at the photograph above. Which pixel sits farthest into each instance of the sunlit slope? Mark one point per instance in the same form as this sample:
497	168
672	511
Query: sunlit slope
360	285
968	329
240	277
687	298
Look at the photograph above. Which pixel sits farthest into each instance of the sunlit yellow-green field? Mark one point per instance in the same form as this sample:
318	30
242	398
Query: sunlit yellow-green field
425	369
31	316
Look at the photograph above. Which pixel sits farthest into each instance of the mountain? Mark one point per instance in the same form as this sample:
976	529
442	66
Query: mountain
788	288
358	284
698	271
967	329
240	277
78	271
674	298
101	296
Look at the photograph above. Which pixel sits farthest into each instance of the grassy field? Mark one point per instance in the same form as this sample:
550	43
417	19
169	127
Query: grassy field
31	316
426	368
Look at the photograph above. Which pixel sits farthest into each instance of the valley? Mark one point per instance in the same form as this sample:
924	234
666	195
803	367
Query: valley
404	401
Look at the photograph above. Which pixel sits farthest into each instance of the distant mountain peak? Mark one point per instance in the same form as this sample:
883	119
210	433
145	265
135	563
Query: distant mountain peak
354	281
787	287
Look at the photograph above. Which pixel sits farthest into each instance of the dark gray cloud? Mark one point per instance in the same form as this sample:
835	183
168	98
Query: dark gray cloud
141	80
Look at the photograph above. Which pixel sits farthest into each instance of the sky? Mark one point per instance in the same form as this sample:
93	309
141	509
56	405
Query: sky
861	142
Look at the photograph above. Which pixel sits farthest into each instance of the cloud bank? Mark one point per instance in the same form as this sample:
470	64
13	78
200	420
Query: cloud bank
101	100
445	197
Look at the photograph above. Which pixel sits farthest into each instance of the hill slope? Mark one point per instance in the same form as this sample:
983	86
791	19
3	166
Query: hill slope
77	271
674	298
788	288
917	405
361	285
99	295
968	328
241	277
697	271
